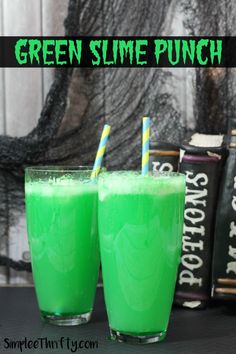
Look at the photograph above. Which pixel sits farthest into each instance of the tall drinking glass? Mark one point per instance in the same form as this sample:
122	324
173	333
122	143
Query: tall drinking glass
61	212
140	232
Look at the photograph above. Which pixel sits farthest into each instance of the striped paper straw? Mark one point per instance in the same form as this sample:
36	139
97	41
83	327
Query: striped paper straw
101	151
145	145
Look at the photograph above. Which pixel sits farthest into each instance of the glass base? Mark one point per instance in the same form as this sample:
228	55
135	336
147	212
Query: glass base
73	320
137	339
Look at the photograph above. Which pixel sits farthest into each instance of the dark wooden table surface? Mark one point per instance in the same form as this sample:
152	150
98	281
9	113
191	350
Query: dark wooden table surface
206	331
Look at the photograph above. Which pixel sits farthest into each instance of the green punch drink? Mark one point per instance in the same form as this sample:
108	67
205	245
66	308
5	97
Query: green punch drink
61	210
140	228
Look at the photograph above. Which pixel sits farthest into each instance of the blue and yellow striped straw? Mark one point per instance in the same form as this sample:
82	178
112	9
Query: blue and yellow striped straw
101	151
145	145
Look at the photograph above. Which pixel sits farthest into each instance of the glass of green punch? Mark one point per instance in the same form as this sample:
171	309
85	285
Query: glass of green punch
140	230
61	211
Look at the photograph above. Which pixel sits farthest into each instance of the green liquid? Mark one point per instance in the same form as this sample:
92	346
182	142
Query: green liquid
140	227
62	230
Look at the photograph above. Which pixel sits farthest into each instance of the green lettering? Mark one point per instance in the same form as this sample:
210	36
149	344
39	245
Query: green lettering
104	53
92	45
75	51
115	49
139	51
34	48
216	53
160	48
170	51
126	48
188	50
59	51
201	43
47	52
21	57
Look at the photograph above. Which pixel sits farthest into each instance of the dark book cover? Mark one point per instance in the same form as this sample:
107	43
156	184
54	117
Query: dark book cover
201	160
224	256
164	157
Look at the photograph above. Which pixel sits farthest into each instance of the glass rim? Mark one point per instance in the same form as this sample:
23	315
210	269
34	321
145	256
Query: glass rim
137	173
59	168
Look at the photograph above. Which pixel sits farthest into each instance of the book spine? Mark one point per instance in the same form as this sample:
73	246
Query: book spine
202	182
224	255
164	160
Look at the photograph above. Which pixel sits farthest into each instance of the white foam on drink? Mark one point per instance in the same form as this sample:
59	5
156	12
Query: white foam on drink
60	186
134	183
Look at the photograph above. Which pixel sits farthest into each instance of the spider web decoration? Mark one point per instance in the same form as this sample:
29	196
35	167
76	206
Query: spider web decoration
81	100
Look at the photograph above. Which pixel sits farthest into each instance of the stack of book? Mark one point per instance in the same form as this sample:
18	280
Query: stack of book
208	262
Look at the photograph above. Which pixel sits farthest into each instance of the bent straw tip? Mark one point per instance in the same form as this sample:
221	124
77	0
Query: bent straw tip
107	126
